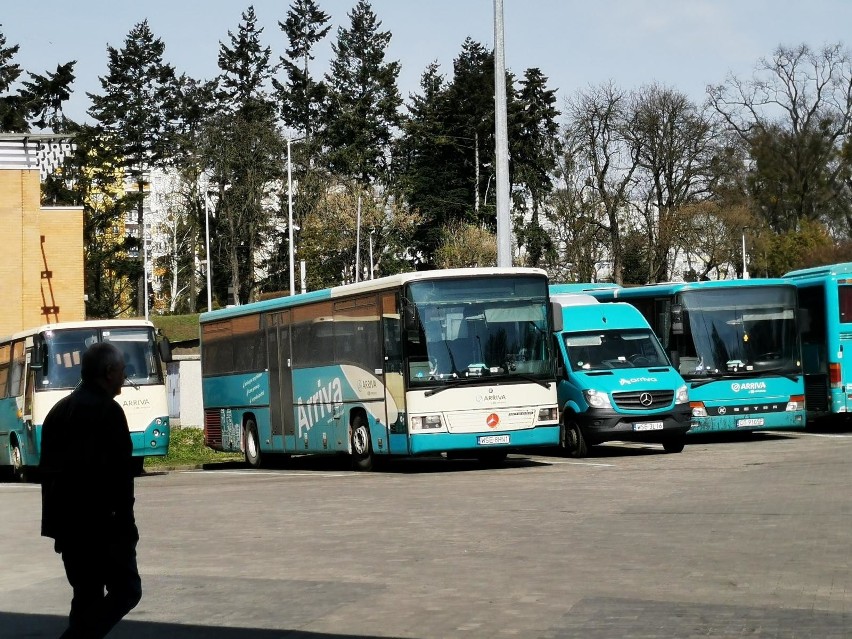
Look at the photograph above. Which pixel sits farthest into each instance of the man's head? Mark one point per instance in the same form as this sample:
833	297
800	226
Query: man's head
103	364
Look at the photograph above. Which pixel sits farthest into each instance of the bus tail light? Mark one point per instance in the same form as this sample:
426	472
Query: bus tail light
548	414
698	409
834	376
797	402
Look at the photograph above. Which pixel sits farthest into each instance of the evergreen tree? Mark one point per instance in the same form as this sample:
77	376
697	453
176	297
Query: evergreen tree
300	98
534	150
246	153
362	107
134	113
38	101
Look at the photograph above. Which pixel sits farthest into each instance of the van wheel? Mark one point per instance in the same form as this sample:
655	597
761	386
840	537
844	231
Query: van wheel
571	440
674	444
252	444
362	447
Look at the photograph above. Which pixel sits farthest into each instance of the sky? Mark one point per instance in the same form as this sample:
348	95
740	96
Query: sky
682	44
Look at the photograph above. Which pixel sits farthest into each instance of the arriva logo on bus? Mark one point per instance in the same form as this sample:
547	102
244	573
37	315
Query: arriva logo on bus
319	405
751	387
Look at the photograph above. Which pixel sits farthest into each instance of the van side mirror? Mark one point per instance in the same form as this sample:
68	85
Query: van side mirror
556	323
677	319
165	348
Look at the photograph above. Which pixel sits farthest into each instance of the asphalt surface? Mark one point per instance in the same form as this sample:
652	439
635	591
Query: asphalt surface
734	537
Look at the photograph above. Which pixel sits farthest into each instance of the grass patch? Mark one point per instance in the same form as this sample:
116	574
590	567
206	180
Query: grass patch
186	448
177	328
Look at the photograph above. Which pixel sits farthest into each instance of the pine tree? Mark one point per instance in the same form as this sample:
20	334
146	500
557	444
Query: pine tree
362	107
134	113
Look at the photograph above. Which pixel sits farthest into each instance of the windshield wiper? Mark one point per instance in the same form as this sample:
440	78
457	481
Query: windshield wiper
523	376
452	383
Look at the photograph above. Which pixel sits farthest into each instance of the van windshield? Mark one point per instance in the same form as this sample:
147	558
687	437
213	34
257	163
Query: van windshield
606	350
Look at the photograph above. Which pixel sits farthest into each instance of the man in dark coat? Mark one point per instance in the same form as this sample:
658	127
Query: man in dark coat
87	495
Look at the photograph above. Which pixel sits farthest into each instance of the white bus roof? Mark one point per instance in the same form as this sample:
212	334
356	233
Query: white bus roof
112	323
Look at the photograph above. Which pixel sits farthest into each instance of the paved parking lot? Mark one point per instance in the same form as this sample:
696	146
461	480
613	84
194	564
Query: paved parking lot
731	538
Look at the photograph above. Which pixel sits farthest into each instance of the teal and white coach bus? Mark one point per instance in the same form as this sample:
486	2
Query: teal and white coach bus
735	343
825	305
456	361
40	366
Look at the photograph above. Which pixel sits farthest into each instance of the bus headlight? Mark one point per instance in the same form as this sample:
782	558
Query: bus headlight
548	414
681	395
698	409
596	399
797	402
426	422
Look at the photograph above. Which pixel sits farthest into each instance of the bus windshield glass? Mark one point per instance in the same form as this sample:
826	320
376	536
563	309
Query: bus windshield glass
473	328
64	349
741	331
601	351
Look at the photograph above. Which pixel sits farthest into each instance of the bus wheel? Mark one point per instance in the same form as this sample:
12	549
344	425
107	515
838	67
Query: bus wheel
252	444
18	472
362	448
674	444
572	441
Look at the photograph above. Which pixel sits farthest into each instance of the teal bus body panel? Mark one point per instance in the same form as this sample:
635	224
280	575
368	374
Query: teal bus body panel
154	440
10	426
829	345
425	443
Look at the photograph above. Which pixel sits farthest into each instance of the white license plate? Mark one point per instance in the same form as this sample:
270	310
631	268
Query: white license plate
648	426
752	421
487	440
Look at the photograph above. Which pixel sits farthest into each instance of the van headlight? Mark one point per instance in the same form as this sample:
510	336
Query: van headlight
681	395
596	399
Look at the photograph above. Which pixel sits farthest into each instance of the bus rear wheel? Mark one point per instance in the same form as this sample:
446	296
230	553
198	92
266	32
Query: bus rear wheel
252	445
571	440
362	448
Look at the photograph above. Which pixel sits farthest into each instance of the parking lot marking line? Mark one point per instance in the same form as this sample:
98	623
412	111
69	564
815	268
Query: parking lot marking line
829	435
579	463
271	473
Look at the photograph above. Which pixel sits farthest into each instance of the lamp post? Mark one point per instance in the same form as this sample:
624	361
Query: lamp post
745	269
501	136
290	218
207	252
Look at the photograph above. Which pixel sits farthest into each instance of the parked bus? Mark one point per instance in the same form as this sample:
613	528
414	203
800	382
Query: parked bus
40	366
735	343
615	381
457	361
825	325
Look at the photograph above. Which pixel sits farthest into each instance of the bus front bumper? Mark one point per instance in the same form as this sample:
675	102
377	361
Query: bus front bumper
153	441
426	443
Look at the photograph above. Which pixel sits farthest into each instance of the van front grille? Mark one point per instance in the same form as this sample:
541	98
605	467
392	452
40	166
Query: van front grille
643	400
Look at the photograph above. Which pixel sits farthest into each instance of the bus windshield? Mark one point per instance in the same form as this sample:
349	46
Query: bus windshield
479	327
741	331
614	349
64	349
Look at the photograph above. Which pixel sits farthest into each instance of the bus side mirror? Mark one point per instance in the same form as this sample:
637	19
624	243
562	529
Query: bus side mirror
165	348
37	356
409	317
677	319
556	324
674	356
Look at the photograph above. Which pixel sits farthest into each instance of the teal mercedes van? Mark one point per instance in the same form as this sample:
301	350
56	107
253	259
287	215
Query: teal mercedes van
615	381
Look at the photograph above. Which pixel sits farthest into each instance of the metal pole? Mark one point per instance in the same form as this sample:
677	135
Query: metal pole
207	252
304	275
745	269
145	264
358	242
371	254
504	229
290	219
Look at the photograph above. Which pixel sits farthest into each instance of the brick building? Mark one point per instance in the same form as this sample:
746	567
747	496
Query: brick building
41	259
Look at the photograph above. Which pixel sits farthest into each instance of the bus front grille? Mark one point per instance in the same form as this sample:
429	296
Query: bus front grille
213	428
643	400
